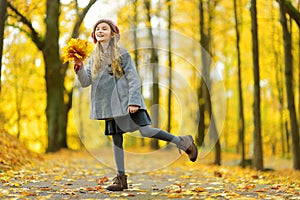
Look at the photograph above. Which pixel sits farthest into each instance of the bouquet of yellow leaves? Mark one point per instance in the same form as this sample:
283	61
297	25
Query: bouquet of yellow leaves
76	48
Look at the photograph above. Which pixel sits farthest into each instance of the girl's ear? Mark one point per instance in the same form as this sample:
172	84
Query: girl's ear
94	38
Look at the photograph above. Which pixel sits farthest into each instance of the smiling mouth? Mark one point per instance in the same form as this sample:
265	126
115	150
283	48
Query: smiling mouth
100	36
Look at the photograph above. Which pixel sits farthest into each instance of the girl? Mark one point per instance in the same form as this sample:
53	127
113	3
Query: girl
116	97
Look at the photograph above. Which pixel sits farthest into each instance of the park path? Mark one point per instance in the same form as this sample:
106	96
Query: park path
78	175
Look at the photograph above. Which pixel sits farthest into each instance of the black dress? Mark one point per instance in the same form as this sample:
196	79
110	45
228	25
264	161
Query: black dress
127	123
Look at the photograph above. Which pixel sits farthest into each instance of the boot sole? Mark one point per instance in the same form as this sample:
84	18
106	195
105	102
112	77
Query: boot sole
194	159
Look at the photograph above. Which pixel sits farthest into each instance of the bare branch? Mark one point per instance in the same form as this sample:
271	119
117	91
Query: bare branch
291	10
81	17
76	6
20	29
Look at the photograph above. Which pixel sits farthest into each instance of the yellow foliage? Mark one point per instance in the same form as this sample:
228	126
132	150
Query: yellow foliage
14	154
76	48
23	97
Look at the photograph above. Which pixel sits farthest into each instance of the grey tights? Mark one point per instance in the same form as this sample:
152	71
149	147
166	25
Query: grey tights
146	131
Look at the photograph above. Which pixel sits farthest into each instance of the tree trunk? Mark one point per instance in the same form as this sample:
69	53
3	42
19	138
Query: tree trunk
135	21
287	133
201	124
291	10
200	91
169	2
213	127
258	150
57	109
298	68
3	16
205	39
136	45
241	121
155	86
54	80
288	61
279	83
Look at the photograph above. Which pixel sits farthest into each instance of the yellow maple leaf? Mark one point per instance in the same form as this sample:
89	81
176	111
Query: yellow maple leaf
76	48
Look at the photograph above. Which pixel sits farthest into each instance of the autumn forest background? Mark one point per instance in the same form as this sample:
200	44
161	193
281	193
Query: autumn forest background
227	72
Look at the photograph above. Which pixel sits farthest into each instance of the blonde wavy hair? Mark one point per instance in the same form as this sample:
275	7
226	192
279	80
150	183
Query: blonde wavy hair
98	58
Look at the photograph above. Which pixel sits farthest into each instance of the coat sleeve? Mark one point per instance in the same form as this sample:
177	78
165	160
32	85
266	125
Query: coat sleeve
134	84
84	75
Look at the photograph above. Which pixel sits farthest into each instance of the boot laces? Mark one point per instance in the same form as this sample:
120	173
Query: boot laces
184	145
179	148
180	145
117	180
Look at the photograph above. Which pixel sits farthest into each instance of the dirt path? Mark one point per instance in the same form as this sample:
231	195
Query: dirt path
72	175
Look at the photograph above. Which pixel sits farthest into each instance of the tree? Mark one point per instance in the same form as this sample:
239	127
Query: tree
299	66
135	22
288	62
258	151
154	64
169	3
57	108
205	40
279	76
200	91
241	121
291	10
3	16
136	46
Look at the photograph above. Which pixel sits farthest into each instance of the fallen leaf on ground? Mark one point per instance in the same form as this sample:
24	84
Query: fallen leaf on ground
102	180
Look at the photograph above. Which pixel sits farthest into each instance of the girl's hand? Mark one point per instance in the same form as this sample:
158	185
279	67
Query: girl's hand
77	64
132	108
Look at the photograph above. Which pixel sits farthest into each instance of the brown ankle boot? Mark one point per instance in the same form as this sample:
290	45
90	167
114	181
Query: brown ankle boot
187	145
119	183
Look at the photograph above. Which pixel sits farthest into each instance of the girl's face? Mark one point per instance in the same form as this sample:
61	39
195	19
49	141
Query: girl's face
103	32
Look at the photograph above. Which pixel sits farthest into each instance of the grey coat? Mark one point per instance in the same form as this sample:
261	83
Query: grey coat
110	97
